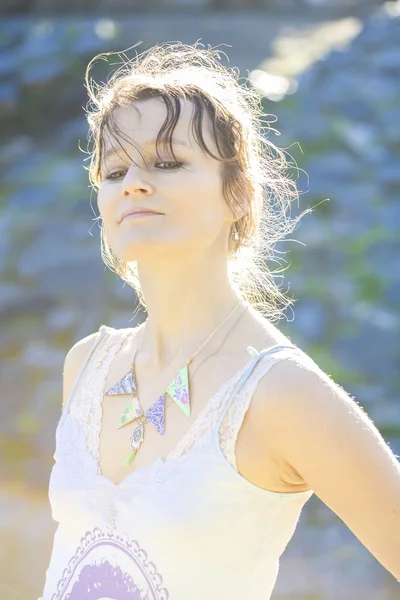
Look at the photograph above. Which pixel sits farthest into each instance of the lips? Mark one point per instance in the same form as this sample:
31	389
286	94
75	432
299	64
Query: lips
139	211
139	215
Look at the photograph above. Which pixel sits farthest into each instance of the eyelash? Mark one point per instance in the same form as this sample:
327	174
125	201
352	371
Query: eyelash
110	175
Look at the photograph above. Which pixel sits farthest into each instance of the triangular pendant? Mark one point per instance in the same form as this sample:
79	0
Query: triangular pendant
155	414
179	390
126	385
132	412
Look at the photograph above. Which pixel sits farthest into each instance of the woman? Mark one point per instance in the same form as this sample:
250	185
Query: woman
189	444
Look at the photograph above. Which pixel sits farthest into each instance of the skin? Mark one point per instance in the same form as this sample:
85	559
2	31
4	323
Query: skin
182	258
302	430
182	255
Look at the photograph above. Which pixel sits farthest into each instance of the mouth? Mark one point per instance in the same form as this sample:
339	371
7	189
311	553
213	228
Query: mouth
140	215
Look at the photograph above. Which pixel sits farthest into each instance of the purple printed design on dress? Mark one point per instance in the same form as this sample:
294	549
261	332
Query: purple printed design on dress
105	581
125	573
155	415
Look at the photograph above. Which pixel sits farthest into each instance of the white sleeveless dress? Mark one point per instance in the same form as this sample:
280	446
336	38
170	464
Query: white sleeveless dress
189	527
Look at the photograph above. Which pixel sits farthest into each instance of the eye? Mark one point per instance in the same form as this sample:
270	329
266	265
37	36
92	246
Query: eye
111	177
171	162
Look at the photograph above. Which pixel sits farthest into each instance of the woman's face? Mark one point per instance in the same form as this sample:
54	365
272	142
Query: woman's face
195	217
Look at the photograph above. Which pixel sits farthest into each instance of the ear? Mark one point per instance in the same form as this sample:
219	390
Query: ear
239	210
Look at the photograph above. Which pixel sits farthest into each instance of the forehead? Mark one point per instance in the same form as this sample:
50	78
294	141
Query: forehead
142	122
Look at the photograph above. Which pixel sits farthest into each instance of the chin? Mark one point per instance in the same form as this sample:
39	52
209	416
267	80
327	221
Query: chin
139	251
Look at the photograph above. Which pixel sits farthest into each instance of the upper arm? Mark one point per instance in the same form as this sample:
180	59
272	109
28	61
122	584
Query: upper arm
326	437
73	363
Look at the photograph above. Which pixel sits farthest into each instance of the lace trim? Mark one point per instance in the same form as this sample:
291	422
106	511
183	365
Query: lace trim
87	410
233	419
207	418
234	416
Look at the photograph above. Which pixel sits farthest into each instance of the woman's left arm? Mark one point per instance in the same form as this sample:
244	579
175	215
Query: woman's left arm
330	441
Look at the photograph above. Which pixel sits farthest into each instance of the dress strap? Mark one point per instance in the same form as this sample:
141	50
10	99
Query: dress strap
86	404
257	357
101	332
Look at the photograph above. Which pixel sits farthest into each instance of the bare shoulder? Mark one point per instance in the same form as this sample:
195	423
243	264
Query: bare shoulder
266	421
264	334
294	398
73	362
323	436
80	350
289	378
294	377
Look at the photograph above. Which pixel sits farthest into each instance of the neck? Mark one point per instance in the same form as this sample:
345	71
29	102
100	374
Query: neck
185	305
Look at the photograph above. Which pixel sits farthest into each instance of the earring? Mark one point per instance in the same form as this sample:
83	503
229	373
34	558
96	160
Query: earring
235	233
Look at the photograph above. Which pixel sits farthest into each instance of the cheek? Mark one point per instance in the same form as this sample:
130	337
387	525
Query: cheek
105	206
210	201
206	213
107	210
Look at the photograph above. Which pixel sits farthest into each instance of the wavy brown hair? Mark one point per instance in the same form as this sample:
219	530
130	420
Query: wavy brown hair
254	171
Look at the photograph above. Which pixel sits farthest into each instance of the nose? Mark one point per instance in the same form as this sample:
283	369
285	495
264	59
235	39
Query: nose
135	182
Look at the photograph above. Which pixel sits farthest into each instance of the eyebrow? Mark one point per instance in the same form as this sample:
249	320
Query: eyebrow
111	151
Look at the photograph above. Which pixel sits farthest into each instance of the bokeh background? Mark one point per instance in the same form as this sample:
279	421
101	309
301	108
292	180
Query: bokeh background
330	73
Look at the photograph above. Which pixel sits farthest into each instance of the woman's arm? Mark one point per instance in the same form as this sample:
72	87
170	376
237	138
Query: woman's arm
328	439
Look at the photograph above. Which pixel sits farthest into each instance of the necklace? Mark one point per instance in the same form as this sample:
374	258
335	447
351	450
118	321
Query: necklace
178	390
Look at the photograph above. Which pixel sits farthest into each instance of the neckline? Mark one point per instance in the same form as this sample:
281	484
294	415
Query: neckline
225	385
